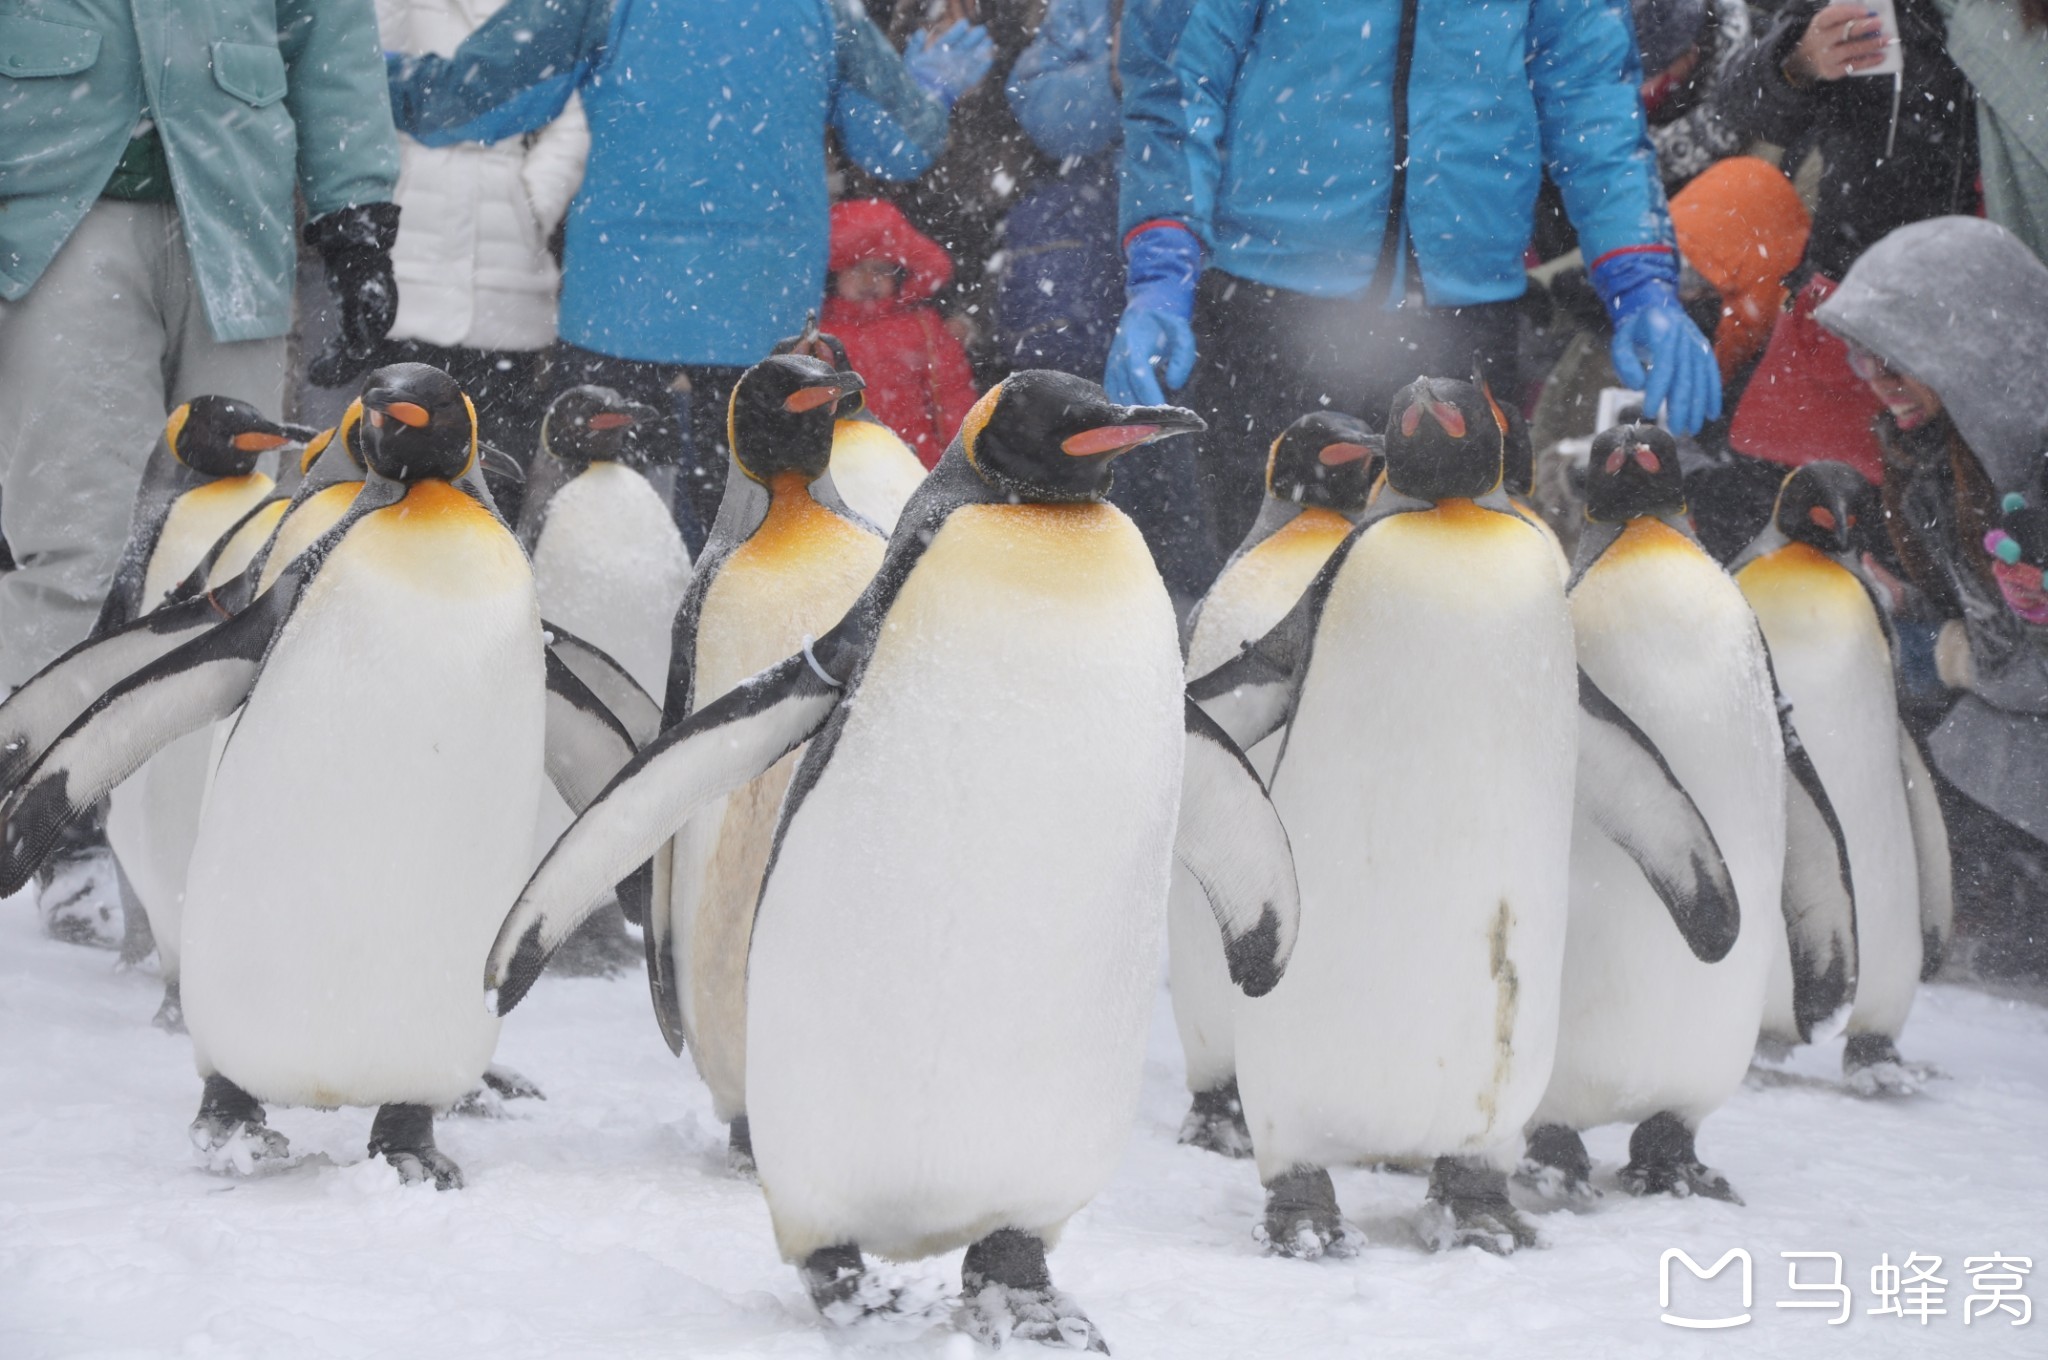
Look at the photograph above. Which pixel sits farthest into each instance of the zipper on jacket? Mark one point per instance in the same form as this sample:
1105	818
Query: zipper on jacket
1397	191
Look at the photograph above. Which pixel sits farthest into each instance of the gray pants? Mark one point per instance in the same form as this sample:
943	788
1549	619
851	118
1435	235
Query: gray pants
107	342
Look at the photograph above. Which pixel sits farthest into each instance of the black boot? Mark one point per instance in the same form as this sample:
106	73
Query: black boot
1215	1122
1661	1161
403	1135
1468	1207
229	1129
1007	1291
1301	1215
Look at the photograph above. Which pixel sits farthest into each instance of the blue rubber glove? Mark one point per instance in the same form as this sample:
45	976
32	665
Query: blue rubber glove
951	64
1657	349
1162	263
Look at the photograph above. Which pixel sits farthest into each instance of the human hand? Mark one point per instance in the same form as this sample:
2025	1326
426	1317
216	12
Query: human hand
355	245
951	63
1656	346
1952	659
1159	307
1839	41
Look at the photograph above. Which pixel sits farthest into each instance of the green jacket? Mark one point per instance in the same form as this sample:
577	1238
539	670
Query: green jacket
2008	63
230	84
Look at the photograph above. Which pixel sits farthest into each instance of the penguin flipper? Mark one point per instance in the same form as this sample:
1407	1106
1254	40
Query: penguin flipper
1627	788
1251	696
618	691
1819	898
586	744
201	682
1231	840
714	751
1930	849
36	715
662	987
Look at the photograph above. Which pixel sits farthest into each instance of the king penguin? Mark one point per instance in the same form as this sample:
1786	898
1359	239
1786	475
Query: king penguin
391	681
1318	474
785	560
201	479
1658	1024
1432	716
957	944
1833	659
608	559
874	471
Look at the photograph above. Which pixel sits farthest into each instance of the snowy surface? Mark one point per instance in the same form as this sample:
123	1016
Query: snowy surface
603	1223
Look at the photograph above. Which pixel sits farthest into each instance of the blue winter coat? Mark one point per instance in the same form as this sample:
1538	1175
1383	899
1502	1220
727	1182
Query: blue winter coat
1268	128
699	235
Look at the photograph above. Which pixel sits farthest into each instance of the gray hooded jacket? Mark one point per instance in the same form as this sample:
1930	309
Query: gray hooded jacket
1962	305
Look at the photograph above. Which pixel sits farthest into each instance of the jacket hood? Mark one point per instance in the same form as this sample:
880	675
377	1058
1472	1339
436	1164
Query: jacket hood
1742	226
1961	305
875	229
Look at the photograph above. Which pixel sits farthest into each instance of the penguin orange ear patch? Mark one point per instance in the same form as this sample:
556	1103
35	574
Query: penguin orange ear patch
806	399
977	418
1106	439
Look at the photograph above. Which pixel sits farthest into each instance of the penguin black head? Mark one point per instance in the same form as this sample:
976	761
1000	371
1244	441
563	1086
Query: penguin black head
1042	436
826	348
221	437
780	418
348	435
1325	459
417	423
1442	441
1632	471
1826	505
588	425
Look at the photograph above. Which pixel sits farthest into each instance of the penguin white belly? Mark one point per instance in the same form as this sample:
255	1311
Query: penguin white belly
874	471
1253	593
795	578
954	963
238	552
1426	789
302	527
403	703
1833	663
153	815
611	568
1645	1026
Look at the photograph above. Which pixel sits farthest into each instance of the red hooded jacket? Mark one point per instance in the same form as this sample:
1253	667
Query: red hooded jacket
919	383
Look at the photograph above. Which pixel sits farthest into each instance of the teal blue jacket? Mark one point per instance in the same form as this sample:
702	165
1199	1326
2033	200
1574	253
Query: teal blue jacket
252	99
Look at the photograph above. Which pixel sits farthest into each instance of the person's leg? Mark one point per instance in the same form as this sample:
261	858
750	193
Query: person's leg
700	478
82	401
195	363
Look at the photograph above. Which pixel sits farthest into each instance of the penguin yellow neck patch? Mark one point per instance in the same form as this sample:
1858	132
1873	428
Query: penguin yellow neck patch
1801	571
1646	534
795	525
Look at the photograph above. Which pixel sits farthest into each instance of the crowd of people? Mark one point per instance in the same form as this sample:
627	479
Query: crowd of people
1799	231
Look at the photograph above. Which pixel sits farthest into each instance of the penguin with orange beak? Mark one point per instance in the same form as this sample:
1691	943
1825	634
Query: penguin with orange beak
955	949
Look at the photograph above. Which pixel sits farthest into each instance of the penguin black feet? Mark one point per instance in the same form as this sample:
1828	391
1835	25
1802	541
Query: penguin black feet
1468	1207
739	1148
78	888
487	1101
1301	1216
170	1014
1661	1161
1215	1122
1556	1164
1871	1066
229	1129
403	1135
1006	1291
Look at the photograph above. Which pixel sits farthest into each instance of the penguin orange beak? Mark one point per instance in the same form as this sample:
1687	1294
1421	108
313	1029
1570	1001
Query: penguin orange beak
843	384
1336	455
1448	416
404	412
1107	439
610	420
1645	456
255	441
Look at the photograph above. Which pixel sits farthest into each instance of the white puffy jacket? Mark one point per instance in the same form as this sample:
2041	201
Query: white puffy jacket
472	259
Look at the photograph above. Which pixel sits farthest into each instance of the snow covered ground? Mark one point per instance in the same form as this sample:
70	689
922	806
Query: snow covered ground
602	1222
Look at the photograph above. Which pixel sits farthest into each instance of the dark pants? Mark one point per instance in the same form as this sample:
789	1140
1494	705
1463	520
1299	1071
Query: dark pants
505	384
696	393
1269	356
